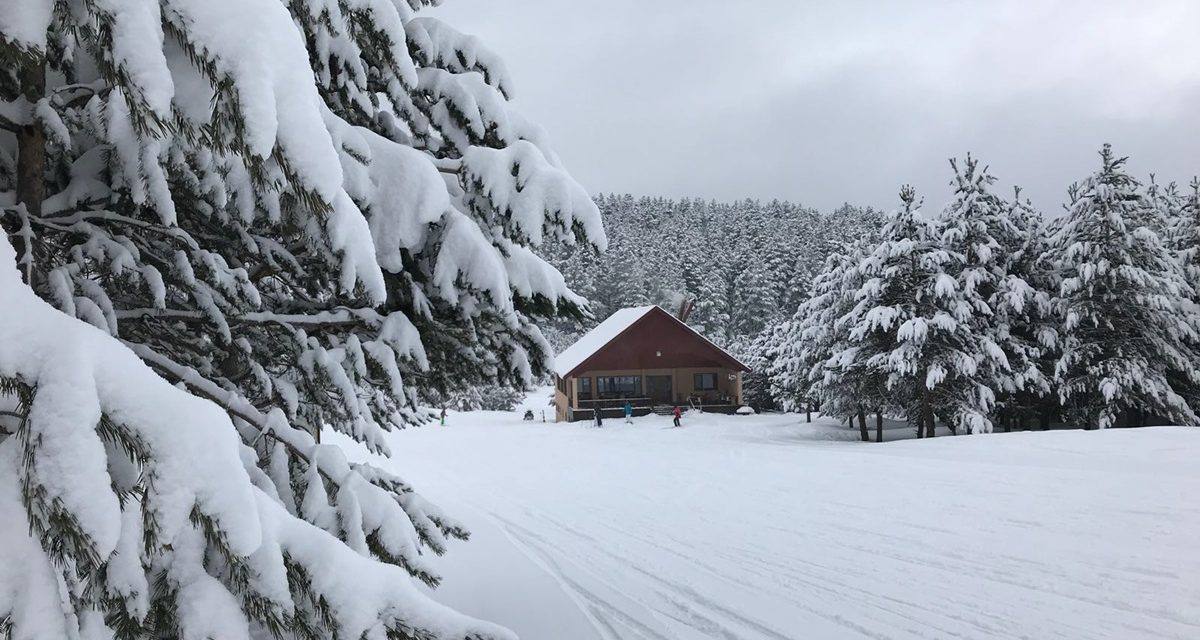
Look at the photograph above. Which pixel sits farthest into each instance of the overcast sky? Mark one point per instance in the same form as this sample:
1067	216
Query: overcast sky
833	101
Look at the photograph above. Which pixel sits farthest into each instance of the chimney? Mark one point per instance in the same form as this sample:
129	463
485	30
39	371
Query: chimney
685	310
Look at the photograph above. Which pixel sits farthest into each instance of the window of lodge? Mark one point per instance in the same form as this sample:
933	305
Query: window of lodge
705	382
619	386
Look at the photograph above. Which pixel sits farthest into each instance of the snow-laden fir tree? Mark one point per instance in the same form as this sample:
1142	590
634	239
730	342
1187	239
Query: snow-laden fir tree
914	323
1033	333
802	346
992	236
759	355
305	213
1181	213
802	368
1184	232
1129	324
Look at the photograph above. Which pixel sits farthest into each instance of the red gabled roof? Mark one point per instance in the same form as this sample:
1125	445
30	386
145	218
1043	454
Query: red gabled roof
642	338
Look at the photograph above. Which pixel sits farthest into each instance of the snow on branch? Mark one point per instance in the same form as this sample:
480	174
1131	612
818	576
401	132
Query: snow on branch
181	467
534	197
436	44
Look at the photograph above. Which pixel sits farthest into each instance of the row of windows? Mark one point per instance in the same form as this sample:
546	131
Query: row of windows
619	386
608	387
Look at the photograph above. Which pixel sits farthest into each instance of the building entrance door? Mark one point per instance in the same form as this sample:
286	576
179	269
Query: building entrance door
658	388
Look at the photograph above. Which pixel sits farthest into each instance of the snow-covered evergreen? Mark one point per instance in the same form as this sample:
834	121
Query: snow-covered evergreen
912	329
993	238
1129	328
133	509
992	315
306	213
1183	235
808	341
1030	339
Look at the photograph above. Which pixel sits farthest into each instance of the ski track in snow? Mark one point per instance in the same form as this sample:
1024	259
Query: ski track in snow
766	528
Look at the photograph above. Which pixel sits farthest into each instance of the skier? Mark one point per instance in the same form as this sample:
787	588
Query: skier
628	412
678	414
599	419
443	415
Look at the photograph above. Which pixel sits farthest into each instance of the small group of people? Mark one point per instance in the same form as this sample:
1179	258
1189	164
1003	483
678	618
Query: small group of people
599	418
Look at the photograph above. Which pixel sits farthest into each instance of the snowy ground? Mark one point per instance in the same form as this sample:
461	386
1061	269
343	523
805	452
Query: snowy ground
764	527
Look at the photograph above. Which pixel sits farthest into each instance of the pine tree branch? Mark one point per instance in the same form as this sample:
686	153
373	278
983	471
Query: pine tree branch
298	442
76	95
339	318
15	114
332	469
25	233
448	165
8	124
70	222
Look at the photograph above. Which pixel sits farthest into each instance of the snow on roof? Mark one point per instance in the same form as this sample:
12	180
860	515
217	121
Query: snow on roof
592	341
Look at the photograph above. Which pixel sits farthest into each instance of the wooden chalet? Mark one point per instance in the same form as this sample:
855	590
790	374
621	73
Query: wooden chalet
647	357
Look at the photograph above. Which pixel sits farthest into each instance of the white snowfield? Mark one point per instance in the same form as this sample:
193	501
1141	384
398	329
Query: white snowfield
763	527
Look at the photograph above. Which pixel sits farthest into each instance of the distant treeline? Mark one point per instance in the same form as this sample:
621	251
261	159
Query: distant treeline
745	265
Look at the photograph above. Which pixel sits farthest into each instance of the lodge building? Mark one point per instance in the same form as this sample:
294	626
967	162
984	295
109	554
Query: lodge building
647	357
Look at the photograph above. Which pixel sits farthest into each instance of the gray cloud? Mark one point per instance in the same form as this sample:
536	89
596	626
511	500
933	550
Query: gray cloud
825	102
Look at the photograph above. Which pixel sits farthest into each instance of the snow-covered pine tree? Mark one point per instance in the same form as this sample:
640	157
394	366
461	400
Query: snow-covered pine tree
802	368
132	508
914	324
763	256
305	213
1165	201
980	226
1033	332
759	355
1184	233
1129	329
622	282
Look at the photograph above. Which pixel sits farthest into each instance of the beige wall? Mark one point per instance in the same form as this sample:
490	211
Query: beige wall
561	402
682	381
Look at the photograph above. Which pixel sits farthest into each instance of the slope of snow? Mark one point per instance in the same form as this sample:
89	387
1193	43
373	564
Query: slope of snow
592	341
764	527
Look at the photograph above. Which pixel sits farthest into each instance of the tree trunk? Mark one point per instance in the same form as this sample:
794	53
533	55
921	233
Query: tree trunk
927	413
31	154
862	426
879	427
1008	420
808	412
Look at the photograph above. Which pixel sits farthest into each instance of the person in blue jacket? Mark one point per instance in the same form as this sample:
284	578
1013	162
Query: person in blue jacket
628	412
